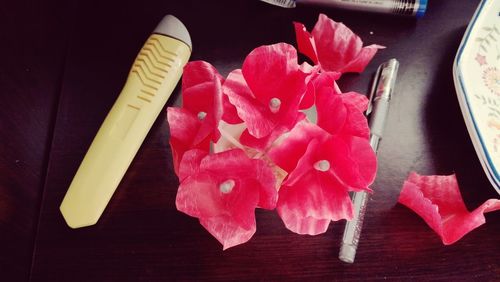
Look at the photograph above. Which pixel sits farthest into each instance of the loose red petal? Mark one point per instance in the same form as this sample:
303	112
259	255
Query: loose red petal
438	201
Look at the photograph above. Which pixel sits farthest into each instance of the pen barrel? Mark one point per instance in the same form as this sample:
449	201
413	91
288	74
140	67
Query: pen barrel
152	79
352	232
378	117
397	7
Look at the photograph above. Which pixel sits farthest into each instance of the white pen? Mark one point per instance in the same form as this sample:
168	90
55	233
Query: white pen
380	96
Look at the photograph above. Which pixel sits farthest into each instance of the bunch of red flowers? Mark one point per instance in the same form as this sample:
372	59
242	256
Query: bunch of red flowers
274	134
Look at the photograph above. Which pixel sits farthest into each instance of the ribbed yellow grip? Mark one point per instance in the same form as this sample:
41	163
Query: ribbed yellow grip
153	77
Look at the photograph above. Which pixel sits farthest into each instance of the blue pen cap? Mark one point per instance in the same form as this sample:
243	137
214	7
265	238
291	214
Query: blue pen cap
422	7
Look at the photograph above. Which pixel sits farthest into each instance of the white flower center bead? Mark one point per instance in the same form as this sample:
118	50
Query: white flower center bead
202	115
227	186
274	105
322	165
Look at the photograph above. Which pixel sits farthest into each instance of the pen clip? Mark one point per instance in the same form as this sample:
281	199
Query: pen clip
383	82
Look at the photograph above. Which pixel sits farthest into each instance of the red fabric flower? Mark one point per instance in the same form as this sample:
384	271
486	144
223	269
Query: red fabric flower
334	46
438	201
322	169
222	190
184	127
195	124
268	89
202	96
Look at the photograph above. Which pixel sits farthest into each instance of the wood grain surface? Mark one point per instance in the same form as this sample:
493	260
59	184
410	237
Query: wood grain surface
33	39
141	236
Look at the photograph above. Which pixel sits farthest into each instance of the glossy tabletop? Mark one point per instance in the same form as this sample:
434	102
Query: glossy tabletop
64	65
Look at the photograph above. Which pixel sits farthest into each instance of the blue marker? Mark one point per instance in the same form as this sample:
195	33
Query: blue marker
412	8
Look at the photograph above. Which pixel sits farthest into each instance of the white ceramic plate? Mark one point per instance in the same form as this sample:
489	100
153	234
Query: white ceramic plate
476	73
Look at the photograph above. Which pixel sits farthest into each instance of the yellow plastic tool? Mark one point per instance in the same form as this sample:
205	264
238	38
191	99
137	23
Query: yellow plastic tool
153	77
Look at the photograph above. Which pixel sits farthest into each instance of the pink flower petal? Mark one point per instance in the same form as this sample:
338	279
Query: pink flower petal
257	117
264	143
228	232
230	114
190	163
184	127
272	71
308	206
202	96
305	42
334	46
288	152
357	166
357	100
356	123
224	191
332	113
268	90
351	160
438	201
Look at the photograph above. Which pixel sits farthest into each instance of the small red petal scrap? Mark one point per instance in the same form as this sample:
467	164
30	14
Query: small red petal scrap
438	201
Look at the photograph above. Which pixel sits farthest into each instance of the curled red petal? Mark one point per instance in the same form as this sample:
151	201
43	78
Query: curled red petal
338	48
438	201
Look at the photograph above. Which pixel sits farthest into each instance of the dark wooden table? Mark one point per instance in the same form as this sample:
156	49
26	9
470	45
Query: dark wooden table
63	65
